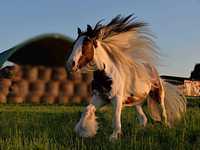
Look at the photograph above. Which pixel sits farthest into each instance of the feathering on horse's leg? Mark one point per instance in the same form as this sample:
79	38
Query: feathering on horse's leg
141	115
117	104
87	125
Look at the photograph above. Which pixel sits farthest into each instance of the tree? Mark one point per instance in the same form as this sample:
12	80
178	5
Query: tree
195	74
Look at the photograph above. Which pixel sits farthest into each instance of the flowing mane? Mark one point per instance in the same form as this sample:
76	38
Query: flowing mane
124	38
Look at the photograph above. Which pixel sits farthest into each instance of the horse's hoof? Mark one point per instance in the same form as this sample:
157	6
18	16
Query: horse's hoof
142	125
167	125
115	136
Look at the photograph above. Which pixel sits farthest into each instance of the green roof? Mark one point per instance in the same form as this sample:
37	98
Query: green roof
47	49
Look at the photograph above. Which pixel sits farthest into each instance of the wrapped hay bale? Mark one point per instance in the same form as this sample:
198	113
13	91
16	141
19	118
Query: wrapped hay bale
44	73
52	88
18	91
33	98
4	90
23	87
87	100
76	99
11	72
48	99
76	77
3	98
59	73
81	89
30	73
14	89
5	82
5	85
63	99
67	88
37	88
16	73
17	99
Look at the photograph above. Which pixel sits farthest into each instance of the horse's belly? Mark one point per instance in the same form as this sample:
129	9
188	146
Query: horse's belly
132	101
139	93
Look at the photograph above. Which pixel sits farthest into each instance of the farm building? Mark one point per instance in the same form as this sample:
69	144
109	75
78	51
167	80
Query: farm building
189	86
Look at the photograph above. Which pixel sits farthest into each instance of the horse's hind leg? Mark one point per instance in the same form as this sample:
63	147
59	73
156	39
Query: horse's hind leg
162	103
157	96
141	115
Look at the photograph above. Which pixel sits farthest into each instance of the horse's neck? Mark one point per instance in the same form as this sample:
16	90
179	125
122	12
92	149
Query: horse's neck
124	79
103	61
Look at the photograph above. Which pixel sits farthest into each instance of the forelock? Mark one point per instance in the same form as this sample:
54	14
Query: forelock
79	42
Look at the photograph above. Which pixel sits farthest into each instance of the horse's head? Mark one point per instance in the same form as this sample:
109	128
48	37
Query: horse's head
82	52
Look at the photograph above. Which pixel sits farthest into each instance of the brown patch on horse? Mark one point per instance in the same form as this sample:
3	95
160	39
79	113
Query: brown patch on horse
132	101
87	53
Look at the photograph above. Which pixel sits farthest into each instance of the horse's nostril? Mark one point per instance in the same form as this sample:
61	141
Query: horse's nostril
73	63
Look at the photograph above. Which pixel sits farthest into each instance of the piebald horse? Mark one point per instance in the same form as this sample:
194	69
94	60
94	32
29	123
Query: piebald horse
122	56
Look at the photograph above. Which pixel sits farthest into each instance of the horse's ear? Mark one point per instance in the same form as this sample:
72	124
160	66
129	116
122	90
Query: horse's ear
89	28
79	31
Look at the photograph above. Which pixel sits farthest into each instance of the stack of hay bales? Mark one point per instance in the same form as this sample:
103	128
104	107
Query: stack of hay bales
18	91
4	89
21	84
36	91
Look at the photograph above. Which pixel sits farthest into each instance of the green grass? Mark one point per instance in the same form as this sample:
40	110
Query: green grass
51	127
193	101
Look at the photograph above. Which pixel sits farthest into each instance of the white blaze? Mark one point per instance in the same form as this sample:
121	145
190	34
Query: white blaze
77	50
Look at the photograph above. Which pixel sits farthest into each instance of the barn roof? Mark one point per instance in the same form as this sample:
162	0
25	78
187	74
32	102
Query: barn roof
47	49
174	79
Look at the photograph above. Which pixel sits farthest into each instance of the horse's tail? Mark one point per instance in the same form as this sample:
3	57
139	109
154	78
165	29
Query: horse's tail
175	103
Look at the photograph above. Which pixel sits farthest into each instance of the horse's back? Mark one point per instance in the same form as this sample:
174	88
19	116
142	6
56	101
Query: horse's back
144	79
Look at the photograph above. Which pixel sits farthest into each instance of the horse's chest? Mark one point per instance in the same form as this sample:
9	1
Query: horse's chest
101	83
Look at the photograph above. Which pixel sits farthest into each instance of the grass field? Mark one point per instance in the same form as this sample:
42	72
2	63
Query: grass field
51	127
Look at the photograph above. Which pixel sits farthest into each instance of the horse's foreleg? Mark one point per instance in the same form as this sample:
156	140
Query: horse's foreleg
141	115
87	125
98	101
117	103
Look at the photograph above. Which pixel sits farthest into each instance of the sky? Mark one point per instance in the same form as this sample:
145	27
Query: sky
175	23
